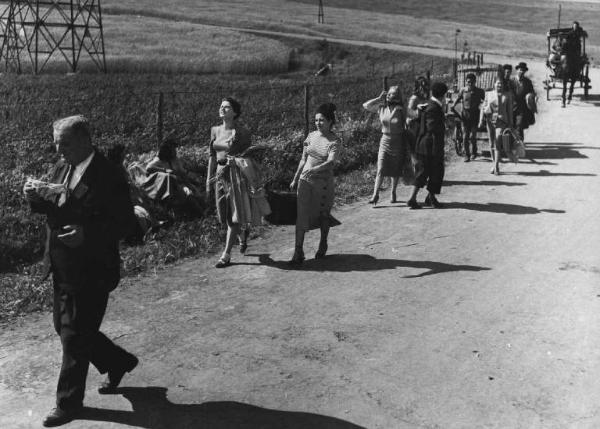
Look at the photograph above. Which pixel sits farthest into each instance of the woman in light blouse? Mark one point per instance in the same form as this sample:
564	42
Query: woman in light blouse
497	114
393	153
227	140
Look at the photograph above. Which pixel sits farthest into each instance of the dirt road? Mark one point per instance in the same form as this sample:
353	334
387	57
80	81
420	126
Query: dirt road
485	314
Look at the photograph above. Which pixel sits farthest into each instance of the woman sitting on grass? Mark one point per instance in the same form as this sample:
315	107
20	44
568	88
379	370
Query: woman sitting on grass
497	113
393	151
239	195
314	182
168	181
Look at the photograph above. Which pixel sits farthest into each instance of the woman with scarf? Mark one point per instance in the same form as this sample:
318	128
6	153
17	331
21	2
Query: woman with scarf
393	154
239	195
314	182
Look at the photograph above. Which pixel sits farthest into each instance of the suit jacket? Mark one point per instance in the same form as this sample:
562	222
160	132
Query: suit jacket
430	140
100	203
498	108
521	89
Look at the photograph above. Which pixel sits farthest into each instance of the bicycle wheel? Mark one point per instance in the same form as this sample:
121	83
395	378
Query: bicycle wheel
458	141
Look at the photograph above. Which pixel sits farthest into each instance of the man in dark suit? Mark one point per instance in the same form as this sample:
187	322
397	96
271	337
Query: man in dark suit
522	88
85	221
430	148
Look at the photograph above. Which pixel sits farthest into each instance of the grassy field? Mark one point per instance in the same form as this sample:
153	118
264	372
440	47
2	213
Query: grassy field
504	26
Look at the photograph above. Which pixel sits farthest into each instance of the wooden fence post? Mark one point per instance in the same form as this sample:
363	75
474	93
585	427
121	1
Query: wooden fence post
159	119
306	106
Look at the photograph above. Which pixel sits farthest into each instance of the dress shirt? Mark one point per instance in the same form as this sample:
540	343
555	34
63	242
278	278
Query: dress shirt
79	171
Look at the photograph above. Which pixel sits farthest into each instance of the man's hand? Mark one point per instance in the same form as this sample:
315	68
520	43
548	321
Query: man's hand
293	185
73	236
31	193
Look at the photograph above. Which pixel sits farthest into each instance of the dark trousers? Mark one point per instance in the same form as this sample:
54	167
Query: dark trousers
77	319
519	123
429	172
469	129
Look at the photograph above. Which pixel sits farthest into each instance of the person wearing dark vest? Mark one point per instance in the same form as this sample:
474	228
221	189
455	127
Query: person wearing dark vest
430	148
471	98
88	210
524	100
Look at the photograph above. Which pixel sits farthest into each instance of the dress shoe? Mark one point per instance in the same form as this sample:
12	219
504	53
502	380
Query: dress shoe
413	205
115	376
298	257
321	251
467	158
59	417
435	203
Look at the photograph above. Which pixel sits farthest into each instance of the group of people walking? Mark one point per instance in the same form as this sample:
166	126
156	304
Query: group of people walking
509	108
88	207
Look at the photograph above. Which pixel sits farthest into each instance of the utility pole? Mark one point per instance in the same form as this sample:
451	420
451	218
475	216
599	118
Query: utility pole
456	33
321	16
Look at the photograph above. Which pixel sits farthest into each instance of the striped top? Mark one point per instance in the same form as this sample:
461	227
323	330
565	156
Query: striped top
317	149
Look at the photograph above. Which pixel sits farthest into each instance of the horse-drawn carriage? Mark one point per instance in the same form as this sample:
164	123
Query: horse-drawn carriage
567	61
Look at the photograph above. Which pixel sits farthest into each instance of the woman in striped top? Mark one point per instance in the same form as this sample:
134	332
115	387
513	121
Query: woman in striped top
314	182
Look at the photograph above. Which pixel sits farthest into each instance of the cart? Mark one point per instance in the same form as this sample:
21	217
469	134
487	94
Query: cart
555	60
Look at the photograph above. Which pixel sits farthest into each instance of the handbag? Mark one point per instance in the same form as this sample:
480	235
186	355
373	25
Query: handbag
283	207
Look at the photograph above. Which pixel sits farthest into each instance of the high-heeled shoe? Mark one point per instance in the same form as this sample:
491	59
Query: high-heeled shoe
374	199
224	261
298	257
321	251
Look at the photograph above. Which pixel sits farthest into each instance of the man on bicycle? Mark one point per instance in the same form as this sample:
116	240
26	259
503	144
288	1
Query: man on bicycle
471	98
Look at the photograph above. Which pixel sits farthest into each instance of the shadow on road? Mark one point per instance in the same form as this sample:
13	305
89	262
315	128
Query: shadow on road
555	150
511	209
481	183
353	262
152	410
546	173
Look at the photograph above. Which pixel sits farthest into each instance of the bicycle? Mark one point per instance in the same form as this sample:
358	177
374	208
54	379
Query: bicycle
454	135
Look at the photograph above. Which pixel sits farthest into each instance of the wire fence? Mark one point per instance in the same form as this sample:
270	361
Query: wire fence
141	120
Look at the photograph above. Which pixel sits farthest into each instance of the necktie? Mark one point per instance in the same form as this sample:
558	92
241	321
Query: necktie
63	196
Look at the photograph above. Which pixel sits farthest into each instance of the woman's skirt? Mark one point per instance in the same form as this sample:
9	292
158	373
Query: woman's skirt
315	200
393	159
237	201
